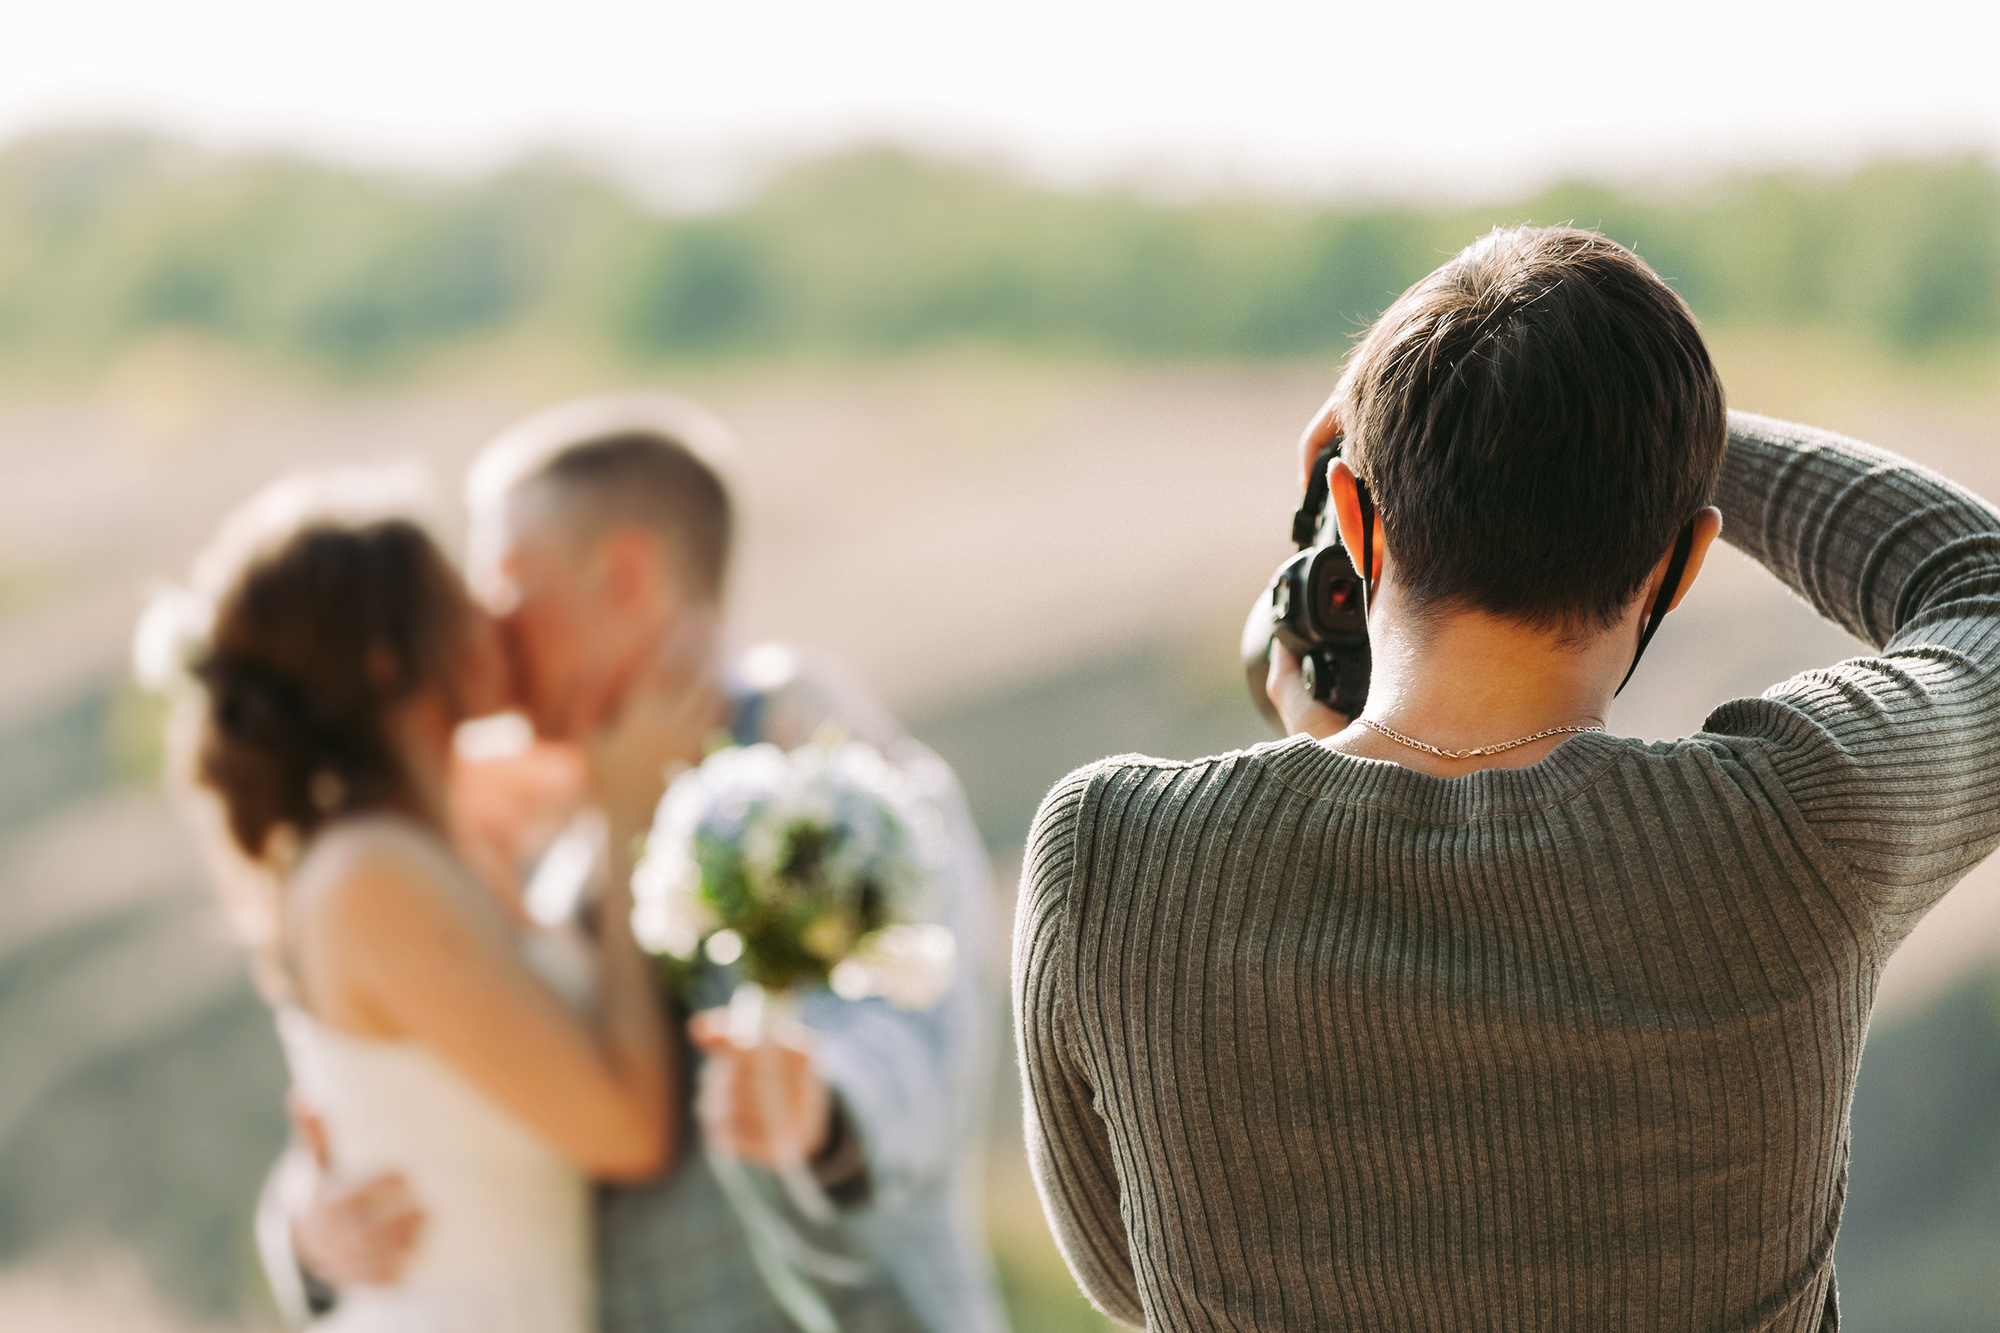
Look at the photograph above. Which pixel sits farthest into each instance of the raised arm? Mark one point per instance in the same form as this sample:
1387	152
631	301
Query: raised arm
1069	1146
1892	758
399	934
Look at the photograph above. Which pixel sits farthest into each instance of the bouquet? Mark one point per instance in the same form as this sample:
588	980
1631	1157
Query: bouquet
802	868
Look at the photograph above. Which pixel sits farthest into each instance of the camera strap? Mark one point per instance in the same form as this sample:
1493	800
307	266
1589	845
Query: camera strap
1305	523
1683	547
1367	570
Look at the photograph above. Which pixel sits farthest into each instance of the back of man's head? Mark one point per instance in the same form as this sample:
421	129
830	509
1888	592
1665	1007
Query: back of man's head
1536	421
651	461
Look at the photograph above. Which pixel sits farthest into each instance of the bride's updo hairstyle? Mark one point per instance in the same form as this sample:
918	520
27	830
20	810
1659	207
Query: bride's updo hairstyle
314	618
309	652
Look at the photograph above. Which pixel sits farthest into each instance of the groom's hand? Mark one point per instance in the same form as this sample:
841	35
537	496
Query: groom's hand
358	1233
352	1233
759	1101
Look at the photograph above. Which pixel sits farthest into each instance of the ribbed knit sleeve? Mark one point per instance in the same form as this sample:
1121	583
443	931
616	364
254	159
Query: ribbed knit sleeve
1069	1147
1891	759
1313	1041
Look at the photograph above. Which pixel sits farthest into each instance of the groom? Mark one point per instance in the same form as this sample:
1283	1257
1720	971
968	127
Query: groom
600	534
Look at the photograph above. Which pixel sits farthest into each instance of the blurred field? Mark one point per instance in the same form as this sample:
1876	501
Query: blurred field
93	1296
107	240
1038	558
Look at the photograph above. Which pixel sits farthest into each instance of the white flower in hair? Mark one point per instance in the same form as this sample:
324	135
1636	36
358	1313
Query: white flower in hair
170	633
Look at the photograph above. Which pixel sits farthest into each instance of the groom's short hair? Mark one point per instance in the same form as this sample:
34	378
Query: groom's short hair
649	460
1536	421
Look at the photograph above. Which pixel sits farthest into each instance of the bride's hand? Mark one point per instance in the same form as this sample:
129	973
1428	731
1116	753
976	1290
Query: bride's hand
662	724
507	808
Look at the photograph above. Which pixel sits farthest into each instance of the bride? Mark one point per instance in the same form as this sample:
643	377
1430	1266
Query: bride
496	1064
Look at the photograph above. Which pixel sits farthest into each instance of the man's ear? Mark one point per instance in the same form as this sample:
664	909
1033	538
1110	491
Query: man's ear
632	575
1344	495
1707	527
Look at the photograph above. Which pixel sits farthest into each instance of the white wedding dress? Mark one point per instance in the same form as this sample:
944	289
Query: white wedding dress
506	1247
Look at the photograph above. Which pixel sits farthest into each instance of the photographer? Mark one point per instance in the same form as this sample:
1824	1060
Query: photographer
1465	1013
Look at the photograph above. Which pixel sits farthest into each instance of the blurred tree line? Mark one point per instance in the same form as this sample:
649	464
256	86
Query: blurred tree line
106	240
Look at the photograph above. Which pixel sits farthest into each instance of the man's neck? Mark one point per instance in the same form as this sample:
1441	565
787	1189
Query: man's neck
1471	679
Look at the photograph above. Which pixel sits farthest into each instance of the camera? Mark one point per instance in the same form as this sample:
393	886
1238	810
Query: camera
1317	606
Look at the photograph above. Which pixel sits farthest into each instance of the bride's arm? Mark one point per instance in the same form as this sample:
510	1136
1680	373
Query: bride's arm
414	948
634	1012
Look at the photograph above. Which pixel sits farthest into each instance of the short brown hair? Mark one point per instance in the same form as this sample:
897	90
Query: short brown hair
1536	421
652	481
649	459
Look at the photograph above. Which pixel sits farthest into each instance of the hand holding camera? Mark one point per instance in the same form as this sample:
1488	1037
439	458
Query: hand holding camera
1298	711
1306	640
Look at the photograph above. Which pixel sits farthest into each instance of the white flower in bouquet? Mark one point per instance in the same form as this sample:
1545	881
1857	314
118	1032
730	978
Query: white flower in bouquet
811	866
668	915
908	964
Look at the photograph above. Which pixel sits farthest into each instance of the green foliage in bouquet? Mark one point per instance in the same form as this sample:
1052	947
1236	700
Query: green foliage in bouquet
802	868
801	919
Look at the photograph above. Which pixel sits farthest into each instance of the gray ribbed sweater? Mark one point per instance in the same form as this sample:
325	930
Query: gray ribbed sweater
1317	1042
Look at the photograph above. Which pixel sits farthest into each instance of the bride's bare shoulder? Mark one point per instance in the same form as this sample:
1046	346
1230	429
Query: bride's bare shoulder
372	863
373	906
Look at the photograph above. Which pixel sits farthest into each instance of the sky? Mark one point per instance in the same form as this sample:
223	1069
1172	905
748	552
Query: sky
1448	98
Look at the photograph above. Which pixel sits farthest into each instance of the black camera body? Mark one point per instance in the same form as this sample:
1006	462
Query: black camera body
1317	606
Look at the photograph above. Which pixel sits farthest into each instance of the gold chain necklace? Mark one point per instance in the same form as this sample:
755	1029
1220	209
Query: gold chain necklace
1477	750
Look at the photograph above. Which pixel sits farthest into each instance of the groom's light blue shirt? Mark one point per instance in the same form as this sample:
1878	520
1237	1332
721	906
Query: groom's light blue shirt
672	1255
